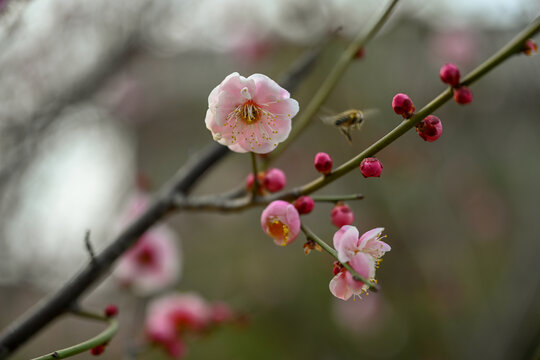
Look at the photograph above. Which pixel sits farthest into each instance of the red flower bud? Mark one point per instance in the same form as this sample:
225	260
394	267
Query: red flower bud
371	167
304	205
111	310
249	181
530	47
341	215
337	267
359	54
274	180
450	74
463	95
430	129
323	163
97	350
403	105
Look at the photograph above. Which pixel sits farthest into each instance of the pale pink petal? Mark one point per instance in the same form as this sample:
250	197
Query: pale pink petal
225	105
234	83
339	288
345	242
267	89
364	265
284	108
372	234
370	243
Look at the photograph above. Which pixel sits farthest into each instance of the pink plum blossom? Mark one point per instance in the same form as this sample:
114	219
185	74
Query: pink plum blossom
152	264
171	316
362	253
281	221
250	114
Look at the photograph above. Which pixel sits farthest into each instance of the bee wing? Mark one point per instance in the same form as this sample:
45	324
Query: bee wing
328	120
370	113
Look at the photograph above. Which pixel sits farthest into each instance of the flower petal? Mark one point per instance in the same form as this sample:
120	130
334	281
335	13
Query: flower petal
338	287
267	89
364	265
345	242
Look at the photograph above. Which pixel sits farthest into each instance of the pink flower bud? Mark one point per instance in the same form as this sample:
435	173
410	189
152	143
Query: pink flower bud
530	47
323	163
111	310
274	180
430	129
450	74
403	105
281	221
341	215
463	95
304	204
371	167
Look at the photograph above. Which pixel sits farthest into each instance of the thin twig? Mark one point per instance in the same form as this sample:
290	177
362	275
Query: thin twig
89	247
102	338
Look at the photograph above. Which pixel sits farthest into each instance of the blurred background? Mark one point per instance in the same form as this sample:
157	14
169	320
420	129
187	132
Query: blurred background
94	93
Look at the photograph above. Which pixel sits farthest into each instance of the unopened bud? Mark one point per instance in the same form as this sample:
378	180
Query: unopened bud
463	95
111	310
274	180
323	163
450	74
304	205
403	105
341	215
530	47
371	167
430	129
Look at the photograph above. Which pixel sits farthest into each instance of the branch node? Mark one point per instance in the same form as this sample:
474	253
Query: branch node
89	247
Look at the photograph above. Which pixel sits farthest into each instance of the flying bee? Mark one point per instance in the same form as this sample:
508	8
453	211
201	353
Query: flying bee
348	120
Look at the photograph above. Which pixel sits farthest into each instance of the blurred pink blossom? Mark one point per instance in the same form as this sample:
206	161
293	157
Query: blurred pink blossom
154	262
281	221
172	315
250	114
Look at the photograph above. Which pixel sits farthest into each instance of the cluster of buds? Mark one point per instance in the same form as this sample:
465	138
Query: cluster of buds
430	128
450	75
271	180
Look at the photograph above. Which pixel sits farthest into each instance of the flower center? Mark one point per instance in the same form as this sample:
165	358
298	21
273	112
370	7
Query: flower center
146	257
249	112
278	230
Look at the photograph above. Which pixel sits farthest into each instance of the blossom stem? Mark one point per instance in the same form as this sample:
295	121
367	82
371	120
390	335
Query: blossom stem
336	198
311	236
512	48
102	338
255	187
330	82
